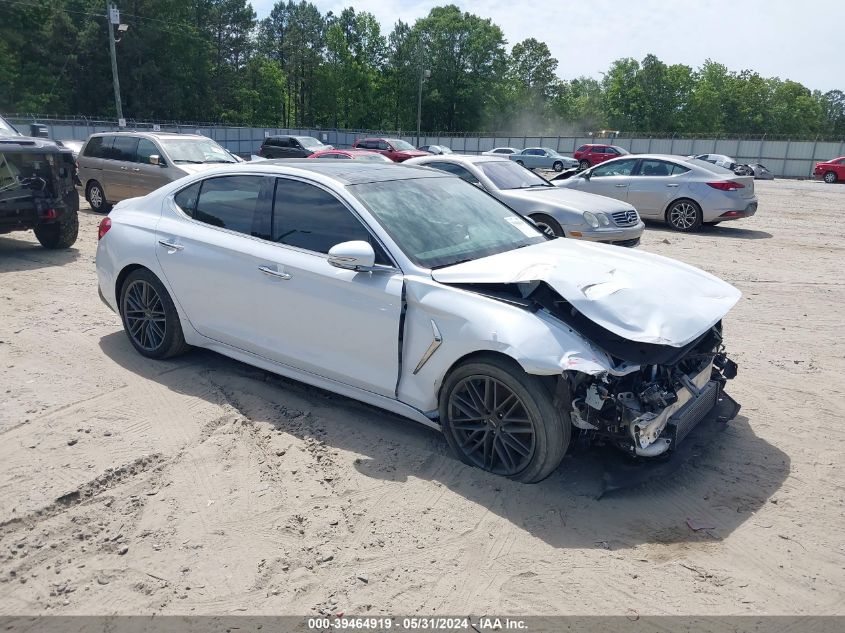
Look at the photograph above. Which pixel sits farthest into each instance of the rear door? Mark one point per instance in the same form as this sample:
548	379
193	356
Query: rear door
654	184
117	168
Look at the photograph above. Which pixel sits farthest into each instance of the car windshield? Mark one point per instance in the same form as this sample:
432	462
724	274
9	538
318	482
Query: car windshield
191	150
621	150
308	141
445	150
400	144
7	128
439	222
509	175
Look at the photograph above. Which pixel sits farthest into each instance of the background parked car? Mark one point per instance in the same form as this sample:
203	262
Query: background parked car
500	151
831	171
74	146
353	154
543	158
717	159
395	149
556	211
285	146
595	153
37	189
436	149
683	192
118	165
760	172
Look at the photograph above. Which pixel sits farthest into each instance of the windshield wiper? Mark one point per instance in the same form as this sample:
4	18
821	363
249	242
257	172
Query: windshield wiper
221	161
185	160
455	263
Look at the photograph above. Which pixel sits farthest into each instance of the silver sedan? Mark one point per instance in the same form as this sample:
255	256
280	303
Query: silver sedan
557	212
543	158
684	192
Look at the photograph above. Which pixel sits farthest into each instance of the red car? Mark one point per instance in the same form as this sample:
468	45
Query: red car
594	153
831	171
355	154
395	149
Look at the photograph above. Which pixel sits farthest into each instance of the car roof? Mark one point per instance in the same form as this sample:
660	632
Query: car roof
158	135
463	158
347	172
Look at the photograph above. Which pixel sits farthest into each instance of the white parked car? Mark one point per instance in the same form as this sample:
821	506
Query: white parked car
500	151
416	292
683	192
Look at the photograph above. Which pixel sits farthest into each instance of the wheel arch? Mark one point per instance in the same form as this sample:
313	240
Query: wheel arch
676	200
123	274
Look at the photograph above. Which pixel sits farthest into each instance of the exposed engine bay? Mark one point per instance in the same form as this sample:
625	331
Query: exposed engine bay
652	397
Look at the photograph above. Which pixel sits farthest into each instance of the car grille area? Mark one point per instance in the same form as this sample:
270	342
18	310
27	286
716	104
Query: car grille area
685	420
625	218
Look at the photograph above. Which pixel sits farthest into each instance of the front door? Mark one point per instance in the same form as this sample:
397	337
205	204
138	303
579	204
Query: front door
609	179
148	177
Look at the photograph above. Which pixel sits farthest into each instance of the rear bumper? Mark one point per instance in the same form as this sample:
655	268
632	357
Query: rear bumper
747	212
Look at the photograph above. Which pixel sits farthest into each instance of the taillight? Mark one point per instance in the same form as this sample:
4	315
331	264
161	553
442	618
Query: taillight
105	225
726	185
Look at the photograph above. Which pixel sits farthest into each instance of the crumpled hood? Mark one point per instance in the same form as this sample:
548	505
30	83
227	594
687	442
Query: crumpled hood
637	295
569	199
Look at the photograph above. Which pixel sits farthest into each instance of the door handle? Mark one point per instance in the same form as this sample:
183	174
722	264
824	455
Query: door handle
123	168
274	273
171	245
675	185
622	185
136	169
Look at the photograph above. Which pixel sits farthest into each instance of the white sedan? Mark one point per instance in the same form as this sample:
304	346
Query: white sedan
414	291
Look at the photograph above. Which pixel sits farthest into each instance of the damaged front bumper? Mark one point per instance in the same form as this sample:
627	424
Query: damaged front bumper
651	410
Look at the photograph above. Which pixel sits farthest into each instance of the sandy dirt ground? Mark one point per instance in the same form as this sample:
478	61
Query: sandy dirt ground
203	486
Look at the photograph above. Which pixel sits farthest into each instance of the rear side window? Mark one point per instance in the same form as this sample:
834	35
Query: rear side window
679	169
454	169
187	198
124	148
308	217
235	203
94	147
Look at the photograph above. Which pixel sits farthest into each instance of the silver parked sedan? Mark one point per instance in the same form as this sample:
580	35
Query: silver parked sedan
543	158
413	291
684	192
557	212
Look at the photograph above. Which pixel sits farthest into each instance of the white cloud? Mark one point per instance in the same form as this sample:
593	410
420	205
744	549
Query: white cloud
776	38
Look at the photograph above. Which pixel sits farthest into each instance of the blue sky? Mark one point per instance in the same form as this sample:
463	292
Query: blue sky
803	41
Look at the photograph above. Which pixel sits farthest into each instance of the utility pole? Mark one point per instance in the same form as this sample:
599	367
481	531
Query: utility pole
112	19
424	74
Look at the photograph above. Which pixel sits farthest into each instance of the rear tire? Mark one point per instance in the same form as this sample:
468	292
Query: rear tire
502	420
584	164
96	196
830	177
548	225
61	234
149	316
684	215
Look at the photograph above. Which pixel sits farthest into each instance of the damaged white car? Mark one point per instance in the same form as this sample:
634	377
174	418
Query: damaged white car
416	292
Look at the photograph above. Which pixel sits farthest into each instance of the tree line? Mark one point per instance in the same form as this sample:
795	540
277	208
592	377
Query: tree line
213	60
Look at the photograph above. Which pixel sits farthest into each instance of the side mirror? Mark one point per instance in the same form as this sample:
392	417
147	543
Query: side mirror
355	255
155	159
585	175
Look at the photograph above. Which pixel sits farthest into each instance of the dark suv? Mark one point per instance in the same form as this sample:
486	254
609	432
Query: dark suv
291	147
37	188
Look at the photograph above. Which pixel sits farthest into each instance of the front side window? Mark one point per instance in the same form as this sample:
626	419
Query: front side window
146	148
583	148
306	216
442	221
383	146
509	175
235	203
614	168
195	150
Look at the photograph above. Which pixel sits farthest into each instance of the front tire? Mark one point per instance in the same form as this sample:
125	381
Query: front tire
830	177
149	317
684	216
584	164
502	420
96	197
61	234
548	225
558	166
